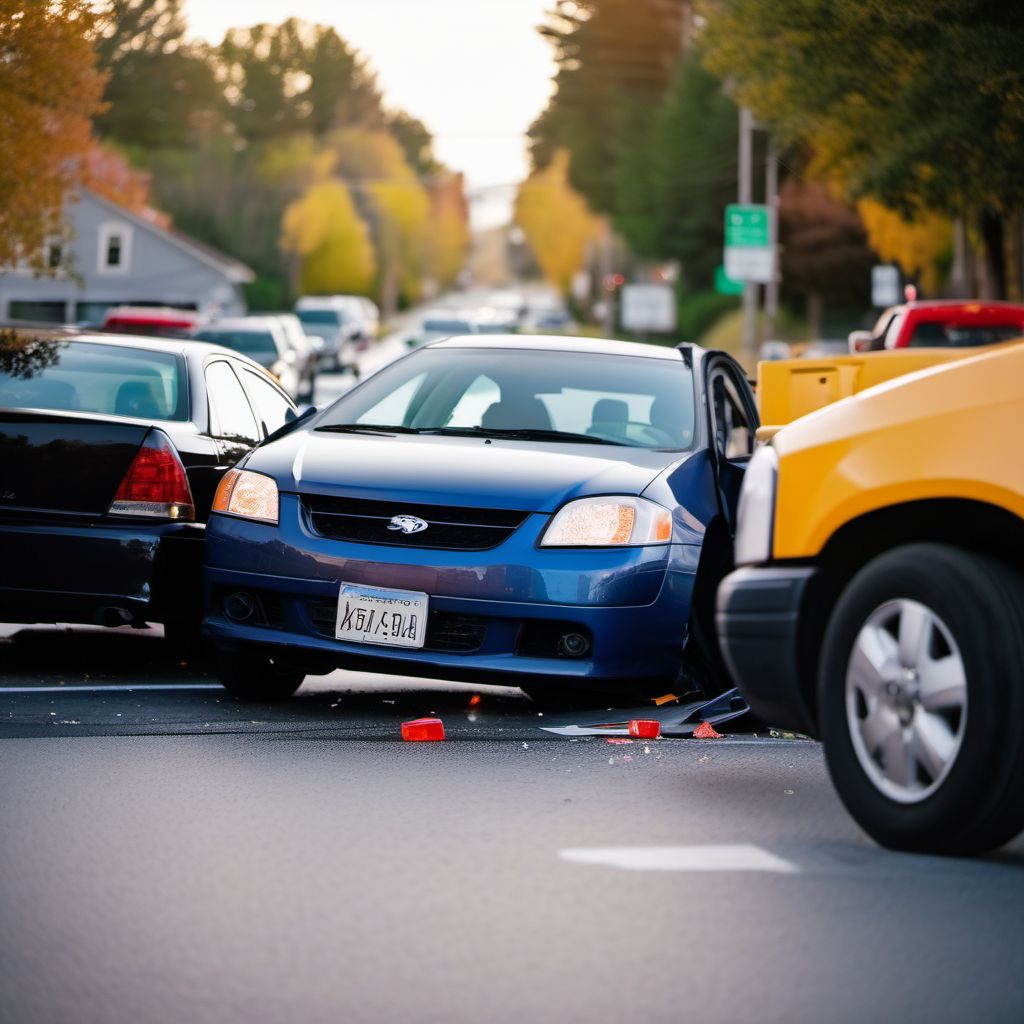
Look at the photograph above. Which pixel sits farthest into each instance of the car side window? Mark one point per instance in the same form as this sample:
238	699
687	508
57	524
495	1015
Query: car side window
271	406
734	431
230	414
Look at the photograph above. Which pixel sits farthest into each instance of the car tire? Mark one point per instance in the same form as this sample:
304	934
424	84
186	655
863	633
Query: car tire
927	751
255	676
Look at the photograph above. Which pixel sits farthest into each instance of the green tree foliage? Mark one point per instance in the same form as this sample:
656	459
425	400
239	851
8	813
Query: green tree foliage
919	104
613	56
295	77
161	91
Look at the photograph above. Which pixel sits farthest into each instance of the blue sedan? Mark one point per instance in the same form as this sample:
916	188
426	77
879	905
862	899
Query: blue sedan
547	512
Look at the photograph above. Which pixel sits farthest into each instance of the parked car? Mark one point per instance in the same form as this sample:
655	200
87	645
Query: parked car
545	512
879	603
306	353
151	321
438	324
111	449
942	323
263	339
346	323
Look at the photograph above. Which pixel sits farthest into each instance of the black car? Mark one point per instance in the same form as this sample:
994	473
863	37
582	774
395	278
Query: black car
111	449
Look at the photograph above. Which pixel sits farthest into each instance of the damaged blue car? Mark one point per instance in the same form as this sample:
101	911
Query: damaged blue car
546	512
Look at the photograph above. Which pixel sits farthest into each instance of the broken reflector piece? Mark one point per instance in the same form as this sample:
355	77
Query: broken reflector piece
421	730
672	719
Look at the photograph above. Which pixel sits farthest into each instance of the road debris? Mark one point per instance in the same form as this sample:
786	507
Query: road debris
706	731
421	730
672	719
644	728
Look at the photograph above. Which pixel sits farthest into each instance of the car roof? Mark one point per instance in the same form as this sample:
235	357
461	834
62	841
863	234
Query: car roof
559	343
189	347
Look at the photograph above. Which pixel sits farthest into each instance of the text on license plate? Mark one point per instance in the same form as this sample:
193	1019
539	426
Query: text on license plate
372	615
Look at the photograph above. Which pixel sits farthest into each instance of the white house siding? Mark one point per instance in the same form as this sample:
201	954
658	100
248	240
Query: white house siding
159	268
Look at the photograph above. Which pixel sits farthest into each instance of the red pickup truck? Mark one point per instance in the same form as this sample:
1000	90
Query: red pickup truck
942	323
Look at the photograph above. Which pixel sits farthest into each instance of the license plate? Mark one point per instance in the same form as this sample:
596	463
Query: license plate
372	615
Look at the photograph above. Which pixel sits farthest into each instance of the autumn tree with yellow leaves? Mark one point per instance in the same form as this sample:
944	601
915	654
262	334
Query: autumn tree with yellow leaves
329	242
51	89
557	222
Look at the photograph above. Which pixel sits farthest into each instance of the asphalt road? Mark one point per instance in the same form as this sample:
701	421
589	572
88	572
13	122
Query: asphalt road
170	855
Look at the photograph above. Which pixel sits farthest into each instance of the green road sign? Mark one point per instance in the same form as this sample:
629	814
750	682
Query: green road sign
746	226
725	285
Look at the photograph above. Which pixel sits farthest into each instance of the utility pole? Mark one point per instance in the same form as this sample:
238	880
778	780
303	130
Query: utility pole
771	197
746	196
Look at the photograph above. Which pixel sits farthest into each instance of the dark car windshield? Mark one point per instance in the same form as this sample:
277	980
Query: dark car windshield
618	399
255	344
40	373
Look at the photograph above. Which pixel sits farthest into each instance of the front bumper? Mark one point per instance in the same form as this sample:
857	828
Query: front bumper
66	571
495	615
758	620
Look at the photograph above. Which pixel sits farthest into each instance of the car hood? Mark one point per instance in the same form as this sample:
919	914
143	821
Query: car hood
528	476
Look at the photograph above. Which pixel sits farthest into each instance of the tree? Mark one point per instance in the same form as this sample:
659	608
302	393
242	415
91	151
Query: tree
161	91
449	229
613	56
557	222
51	89
918	104
922	247
329	241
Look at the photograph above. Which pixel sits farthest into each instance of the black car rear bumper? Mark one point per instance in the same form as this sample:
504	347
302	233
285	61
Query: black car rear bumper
106	573
758	621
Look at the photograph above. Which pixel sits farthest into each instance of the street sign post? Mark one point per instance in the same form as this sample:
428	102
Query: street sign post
725	285
749	253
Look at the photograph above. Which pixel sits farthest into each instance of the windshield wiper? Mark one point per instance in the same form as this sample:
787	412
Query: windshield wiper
525	434
368	428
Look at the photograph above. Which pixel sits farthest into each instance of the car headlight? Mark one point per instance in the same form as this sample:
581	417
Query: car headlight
246	494
755	518
609	521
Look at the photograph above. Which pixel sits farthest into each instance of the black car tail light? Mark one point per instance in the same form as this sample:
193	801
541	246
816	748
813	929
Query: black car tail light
155	484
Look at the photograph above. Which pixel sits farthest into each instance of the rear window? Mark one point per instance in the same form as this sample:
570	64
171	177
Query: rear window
321	317
249	343
41	373
936	335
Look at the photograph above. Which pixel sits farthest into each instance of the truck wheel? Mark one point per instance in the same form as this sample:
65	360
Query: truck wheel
921	698
251	675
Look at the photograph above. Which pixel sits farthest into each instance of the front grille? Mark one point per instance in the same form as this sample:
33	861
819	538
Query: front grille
446	631
449	527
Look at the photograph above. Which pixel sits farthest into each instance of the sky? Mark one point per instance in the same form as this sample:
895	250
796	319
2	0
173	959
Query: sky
475	72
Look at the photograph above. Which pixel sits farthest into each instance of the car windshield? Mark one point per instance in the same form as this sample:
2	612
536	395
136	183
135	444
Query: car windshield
937	335
248	342
448	326
550	396
41	373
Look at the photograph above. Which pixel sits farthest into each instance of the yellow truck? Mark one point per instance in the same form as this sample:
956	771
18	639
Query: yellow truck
878	602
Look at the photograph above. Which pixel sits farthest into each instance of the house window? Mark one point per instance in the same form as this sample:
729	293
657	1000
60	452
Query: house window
115	248
54	253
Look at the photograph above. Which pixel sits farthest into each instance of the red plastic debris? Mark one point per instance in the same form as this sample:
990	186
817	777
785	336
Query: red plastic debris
474	700
617	740
421	730
644	728
706	731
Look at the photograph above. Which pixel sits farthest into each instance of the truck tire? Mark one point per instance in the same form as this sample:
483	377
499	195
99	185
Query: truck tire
255	676
921	700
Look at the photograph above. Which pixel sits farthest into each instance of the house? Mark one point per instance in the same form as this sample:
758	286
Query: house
110	256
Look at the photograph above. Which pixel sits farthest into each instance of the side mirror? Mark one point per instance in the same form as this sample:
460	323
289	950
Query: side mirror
861	341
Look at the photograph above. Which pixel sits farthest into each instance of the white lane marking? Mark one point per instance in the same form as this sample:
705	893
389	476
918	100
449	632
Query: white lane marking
110	689
739	857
